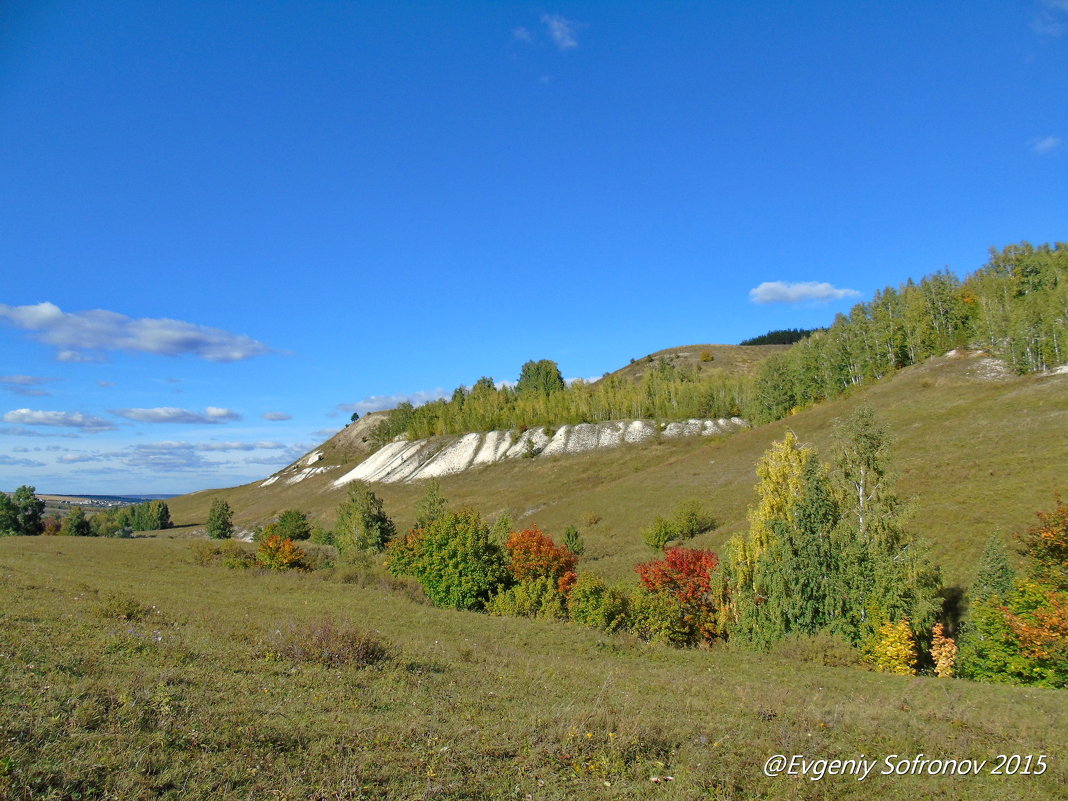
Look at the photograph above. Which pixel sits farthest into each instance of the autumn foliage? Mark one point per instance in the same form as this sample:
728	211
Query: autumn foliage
943	652
279	553
535	555
686	575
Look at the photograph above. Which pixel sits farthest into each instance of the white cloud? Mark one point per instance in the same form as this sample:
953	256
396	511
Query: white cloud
277	416
522	34
1045	144
80	456
105	384
805	291
81	336
562	31
171	414
323	433
375	403
77	420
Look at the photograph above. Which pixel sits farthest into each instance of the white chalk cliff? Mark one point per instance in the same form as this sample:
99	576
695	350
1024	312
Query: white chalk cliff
413	460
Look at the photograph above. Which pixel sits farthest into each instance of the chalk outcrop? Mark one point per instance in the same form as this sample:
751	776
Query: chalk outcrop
405	461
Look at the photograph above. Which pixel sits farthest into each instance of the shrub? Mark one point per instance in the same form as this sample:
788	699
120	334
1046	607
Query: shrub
535	555
75	524
573	541
321	536
535	597
595	603
943	652
50	526
362	523
687	575
324	642
293	524
895	649
455	559
122	606
690	520
659	534
706	356
658	617
279	553
229	554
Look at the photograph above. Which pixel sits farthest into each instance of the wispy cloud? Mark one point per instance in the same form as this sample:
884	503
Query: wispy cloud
522	34
158	456
84	336
240	446
277	416
374	403
323	433
25	384
171	414
77	457
15	461
803	292
563	31
83	422
1051	20
1045	145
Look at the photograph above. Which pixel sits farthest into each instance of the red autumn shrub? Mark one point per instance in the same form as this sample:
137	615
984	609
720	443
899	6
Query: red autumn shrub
534	554
685	574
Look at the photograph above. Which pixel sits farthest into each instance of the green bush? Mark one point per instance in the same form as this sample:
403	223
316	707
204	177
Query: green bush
536	597
573	541
593	602
229	554
362	523
659	617
324	642
690	520
455	559
659	534
293	523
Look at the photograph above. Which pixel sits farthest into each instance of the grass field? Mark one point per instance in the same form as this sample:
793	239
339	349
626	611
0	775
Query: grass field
129	672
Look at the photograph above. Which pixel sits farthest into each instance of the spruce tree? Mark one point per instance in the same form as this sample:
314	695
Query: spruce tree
220	520
994	574
362	523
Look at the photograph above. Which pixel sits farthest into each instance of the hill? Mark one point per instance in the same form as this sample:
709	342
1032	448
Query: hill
707	360
978	448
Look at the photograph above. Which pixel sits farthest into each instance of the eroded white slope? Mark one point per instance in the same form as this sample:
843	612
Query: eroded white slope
412	461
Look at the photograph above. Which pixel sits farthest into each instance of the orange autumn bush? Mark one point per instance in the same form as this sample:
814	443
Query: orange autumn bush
279	553
535	555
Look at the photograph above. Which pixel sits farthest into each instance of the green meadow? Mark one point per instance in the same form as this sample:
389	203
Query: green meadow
131	672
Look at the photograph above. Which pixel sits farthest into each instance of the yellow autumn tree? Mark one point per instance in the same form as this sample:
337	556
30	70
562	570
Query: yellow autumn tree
780	471
943	652
895	649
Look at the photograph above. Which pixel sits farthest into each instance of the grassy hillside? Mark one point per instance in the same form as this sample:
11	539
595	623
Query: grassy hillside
149	677
979	450
707	359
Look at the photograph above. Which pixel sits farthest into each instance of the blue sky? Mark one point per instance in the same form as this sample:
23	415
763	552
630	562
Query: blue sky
225	225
